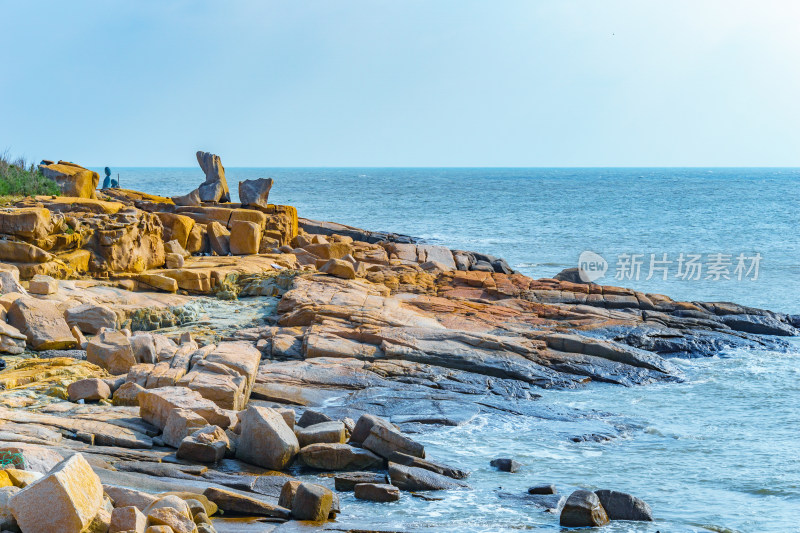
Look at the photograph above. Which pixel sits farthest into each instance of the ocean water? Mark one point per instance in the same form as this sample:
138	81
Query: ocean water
716	453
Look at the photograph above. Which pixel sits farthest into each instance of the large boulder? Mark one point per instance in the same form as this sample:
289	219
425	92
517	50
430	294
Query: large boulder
91	317
111	350
583	509
215	188
265	439
42	324
127	519
66	500
255	193
22	252
72	179
339	268
332	456
623	506
219	238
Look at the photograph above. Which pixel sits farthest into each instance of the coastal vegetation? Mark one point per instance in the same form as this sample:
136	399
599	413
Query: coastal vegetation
19	178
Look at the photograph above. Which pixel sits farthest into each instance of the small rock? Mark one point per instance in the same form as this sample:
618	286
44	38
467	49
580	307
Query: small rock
339	268
335	456
377	492
506	465
583	509
127	519
543	489
287	493
127	394
312	502
180	424
206	445
411	478
41	284
311	417
255	192
90	318
326	432
346	482
112	351
170	511
410	460
174	261
91	389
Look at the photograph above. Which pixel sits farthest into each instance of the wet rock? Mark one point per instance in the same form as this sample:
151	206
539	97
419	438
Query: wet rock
255	192
410	460
326	432
411	478
583	509
180	424
42	284
312	502
127	519
311	417
339	268
506	465
265	439
233	502
170	511
623	506
377	492
245	238
91	389
543	489
71	493
112	351
155	406
384	441
215	187
330	456
346	481
206	445
42	324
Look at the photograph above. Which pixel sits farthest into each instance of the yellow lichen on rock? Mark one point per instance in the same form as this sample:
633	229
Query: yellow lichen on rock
43	373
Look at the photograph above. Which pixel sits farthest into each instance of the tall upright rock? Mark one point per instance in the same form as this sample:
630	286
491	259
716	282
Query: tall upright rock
215	188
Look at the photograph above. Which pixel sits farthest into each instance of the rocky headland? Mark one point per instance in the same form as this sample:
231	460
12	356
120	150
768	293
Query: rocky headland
171	363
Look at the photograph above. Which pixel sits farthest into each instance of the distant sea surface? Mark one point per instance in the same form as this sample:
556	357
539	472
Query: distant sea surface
718	453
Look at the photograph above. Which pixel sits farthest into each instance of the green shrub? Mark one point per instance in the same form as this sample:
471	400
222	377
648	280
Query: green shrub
17	178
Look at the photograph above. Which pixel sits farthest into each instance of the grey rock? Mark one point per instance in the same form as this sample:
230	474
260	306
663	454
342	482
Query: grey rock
411	478
623	506
385	440
543	489
255	192
377	492
346	482
506	464
410	460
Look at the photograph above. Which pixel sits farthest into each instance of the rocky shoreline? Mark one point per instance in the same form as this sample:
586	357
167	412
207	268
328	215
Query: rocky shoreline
171	363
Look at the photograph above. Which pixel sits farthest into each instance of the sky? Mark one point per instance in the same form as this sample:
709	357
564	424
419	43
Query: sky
402	83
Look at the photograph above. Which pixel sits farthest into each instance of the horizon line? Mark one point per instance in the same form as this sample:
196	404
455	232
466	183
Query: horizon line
470	167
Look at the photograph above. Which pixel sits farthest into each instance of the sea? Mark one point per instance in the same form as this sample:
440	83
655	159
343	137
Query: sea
718	452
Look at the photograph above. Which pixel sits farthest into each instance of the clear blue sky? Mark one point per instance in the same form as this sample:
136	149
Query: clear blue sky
402	82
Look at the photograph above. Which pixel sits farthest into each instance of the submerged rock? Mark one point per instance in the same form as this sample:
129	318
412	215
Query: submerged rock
506	465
